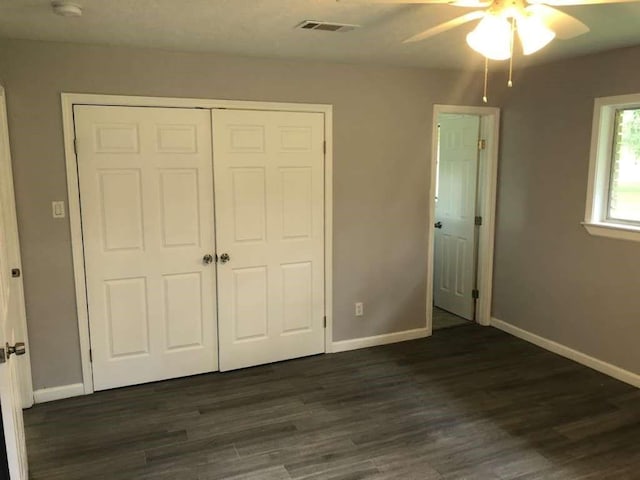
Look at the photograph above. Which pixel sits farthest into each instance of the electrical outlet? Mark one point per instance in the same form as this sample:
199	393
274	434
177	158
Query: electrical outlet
359	309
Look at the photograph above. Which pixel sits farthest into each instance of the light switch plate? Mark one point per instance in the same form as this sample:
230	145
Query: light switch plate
57	207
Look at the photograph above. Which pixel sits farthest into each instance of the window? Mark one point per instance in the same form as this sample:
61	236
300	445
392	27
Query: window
613	198
624	189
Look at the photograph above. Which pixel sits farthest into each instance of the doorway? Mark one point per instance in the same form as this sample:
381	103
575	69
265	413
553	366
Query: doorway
217	258
462	206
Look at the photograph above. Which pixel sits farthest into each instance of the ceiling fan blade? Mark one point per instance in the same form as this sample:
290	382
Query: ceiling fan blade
563	3
396	2
562	23
471	3
457	3
443	27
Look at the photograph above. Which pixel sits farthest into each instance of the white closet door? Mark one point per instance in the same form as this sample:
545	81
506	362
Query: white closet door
147	221
455	214
269	190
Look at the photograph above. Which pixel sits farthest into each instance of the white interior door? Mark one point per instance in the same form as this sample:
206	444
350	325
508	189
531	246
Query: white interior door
10	329
454	262
146	193
269	190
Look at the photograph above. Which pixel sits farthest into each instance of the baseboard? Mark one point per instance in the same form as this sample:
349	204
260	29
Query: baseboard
57	393
365	342
76	389
579	357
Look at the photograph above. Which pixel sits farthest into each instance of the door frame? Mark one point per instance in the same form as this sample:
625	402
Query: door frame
487	184
70	99
25	380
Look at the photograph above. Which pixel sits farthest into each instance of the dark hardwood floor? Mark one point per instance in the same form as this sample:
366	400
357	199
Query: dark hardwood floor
469	403
442	319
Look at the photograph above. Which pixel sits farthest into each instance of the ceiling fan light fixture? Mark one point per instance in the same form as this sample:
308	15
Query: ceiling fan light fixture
533	33
65	8
491	37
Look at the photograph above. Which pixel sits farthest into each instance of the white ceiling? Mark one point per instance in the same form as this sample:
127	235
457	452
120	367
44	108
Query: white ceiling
265	28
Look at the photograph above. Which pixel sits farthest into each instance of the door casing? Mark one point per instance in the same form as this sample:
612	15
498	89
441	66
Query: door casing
70	99
487	186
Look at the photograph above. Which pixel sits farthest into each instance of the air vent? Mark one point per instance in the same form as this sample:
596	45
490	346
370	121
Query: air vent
326	26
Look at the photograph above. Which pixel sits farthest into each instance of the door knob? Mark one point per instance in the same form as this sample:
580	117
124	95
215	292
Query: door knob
18	349
438	225
224	258
207	259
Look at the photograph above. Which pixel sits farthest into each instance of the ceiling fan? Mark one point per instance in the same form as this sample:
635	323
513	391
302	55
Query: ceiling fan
536	23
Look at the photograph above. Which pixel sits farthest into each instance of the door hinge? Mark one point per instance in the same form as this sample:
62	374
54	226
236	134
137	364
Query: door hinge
482	144
478	220
325	322
475	293
324	147
3	355
90	355
75	146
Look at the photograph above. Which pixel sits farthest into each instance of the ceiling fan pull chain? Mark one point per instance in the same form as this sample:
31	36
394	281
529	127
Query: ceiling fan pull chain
513	34
486	77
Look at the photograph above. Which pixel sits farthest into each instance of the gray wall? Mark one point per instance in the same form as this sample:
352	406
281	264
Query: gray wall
551	277
382	125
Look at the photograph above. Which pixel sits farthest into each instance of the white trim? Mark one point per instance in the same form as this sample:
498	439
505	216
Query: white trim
567	352
328	229
490	126
613	231
76	241
366	342
69	99
207	103
57	393
602	131
491	129
13	238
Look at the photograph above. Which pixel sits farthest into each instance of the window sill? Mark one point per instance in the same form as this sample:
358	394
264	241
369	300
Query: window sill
613	230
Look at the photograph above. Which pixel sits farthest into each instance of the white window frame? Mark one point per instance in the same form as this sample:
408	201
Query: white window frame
596	219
